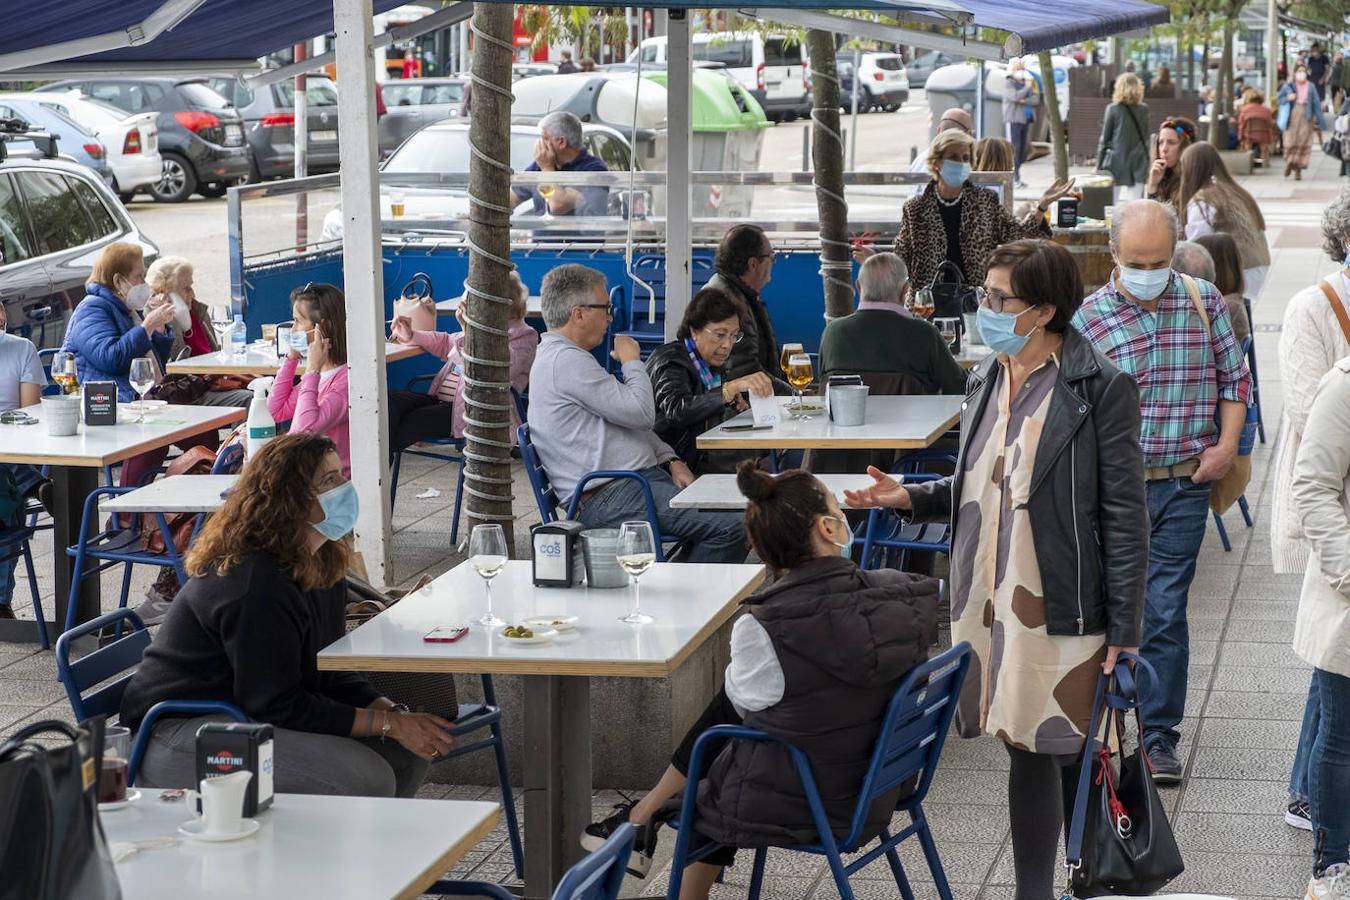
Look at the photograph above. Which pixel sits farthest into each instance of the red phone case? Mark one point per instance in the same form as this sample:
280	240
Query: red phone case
441	634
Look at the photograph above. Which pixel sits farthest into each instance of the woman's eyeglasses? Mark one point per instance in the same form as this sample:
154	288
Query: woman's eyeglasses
726	337
994	300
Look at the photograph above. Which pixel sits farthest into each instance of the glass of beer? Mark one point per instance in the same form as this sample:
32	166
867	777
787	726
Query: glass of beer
789	351
396	201
799	375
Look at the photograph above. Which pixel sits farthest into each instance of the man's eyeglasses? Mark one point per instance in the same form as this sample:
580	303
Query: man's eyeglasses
607	307
994	300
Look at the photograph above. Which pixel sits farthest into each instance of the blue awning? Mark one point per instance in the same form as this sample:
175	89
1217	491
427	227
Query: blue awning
1047	24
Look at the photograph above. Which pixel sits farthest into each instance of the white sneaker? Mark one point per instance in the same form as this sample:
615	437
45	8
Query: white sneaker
1333	885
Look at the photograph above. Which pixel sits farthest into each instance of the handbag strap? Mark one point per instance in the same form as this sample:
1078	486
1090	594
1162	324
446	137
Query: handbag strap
1138	129
1338	308
947	264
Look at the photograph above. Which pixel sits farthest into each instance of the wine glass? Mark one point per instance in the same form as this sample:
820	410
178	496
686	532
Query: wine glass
923	304
487	555
222	321
799	375
63	371
142	379
637	552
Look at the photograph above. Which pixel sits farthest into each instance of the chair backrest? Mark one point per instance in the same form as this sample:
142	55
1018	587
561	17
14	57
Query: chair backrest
519	400
229	460
13	541
914	731
600	874
545	497
122	655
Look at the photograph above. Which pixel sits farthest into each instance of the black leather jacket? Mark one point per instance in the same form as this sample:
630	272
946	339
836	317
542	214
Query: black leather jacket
684	408
1087	506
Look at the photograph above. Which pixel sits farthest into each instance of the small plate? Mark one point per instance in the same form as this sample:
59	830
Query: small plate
195	830
560	623
136	406
132	796
541	636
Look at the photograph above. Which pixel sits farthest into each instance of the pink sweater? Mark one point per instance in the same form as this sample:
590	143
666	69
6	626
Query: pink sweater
315	408
522	340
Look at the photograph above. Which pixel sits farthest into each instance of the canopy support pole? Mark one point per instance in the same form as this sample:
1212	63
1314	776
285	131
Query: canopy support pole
363	282
679	212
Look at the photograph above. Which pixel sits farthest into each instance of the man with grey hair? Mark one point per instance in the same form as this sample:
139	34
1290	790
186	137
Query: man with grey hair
897	353
560	149
1173	335
582	419
1189	258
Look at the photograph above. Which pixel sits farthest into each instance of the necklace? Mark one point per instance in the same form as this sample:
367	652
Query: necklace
944	201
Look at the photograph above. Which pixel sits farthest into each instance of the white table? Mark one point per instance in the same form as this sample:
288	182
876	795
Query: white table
262	362
76	461
557	769
719	492
309	846
534	307
174	494
972	355
891	422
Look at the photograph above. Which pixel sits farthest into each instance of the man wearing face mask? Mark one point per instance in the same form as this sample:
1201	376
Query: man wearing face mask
1194	389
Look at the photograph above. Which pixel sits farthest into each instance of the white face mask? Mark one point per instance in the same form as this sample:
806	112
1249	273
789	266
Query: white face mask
846	548
182	313
138	296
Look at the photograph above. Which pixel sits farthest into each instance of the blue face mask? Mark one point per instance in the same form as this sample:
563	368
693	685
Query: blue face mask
954	173
846	548
997	330
340	508
300	342
1145	284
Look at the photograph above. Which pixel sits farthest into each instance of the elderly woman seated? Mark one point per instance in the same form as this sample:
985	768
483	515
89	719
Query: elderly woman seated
171	277
691	395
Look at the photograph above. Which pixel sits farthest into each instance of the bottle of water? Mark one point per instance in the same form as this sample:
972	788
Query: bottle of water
239	338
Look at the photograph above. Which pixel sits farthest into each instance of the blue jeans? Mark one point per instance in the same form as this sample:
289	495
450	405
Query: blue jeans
713	537
1329	772
1298	777
1178	511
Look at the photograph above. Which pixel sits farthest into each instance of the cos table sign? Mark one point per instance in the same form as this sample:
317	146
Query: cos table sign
557	554
100	403
224	748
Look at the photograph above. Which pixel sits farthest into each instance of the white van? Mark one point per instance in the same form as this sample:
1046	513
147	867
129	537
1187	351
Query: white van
773	69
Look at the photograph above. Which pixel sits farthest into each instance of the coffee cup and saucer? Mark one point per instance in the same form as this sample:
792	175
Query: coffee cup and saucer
220	816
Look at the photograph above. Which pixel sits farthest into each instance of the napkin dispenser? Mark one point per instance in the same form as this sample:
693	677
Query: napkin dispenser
557	554
100	403
227	747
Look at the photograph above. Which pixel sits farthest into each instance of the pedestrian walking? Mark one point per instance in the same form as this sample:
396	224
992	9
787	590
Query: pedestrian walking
1123	147
565	65
1020	99
1172	334
1049	538
1300	116
1211	200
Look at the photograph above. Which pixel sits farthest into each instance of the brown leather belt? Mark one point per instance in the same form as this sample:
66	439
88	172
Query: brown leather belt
1183	469
587	495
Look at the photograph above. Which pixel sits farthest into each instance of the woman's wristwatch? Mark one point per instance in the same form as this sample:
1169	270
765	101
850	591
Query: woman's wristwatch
400	707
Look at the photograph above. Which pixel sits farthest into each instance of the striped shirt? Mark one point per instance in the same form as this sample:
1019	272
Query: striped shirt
1182	370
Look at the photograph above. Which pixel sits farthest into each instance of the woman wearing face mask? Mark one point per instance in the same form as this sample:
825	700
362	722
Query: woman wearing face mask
955	221
1174	136
317	402
1300	114
828	698
267	593
171	277
1049	537
687	380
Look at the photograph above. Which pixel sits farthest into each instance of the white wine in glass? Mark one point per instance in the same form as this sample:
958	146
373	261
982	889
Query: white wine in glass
636	553
487	555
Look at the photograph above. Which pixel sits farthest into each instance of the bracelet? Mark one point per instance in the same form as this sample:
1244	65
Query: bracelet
384	729
370	720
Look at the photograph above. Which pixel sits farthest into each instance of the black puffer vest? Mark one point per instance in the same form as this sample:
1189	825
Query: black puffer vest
844	639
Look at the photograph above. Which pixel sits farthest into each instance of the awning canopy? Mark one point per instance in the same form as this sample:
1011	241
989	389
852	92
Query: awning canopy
1047	24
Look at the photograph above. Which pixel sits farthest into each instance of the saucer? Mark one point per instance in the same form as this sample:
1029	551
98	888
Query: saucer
132	796
195	830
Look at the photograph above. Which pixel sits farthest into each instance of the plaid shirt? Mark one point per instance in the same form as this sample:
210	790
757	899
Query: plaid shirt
1182	371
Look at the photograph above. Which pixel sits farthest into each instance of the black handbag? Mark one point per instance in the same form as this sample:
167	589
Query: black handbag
51	842
1120	841
950	294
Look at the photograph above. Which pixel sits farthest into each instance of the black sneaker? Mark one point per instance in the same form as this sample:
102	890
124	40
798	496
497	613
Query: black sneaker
1163	761
644	847
1298	815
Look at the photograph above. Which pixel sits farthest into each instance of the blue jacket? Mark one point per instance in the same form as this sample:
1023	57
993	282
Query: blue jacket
105	338
1289	96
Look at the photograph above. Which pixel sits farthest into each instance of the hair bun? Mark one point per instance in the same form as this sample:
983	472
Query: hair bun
755	484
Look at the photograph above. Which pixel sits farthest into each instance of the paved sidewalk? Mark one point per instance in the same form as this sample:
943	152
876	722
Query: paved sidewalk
1244	703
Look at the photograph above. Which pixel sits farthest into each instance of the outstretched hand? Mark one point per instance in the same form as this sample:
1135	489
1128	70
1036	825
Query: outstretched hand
884	491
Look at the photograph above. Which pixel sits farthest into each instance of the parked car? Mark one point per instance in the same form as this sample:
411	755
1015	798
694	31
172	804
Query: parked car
55	218
532	70
773	69
883	81
201	136
443	148
417	102
269	123
130	142
72	139
924	65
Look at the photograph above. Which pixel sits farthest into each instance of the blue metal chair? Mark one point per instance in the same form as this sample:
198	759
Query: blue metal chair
116	545
909	746
15	545
546	498
652	270
82	677
1246	443
598	876
885	532
1249	350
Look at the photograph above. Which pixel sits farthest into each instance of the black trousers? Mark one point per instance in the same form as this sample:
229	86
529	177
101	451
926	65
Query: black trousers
417	417
718	712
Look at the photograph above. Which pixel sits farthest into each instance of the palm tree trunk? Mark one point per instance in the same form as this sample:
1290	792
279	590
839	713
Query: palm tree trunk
1054	116
827	158
1218	121
487	415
